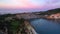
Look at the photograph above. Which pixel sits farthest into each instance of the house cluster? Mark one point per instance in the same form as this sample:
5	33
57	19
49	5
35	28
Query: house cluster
26	16
54	16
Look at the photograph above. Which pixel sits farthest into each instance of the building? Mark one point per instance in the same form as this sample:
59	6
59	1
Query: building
54	16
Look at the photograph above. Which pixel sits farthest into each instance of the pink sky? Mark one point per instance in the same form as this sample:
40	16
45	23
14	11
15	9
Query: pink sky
20	4
30	4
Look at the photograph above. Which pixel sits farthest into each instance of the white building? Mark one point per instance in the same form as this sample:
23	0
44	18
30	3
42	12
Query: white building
55	16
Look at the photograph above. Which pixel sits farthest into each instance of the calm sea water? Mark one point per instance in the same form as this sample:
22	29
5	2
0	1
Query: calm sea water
44	26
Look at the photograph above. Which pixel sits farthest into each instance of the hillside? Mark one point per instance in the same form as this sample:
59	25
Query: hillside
49	12
11	24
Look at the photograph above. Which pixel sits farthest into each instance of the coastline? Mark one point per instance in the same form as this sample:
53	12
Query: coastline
30	27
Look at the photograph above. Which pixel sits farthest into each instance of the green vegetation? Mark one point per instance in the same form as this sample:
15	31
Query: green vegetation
13	26
49	12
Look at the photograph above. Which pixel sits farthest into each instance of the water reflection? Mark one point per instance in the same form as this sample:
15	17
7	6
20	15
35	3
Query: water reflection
44	26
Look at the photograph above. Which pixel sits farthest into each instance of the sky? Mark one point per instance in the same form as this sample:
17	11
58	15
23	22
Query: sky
29	5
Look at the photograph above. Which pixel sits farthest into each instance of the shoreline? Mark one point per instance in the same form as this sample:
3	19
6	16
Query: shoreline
30	27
